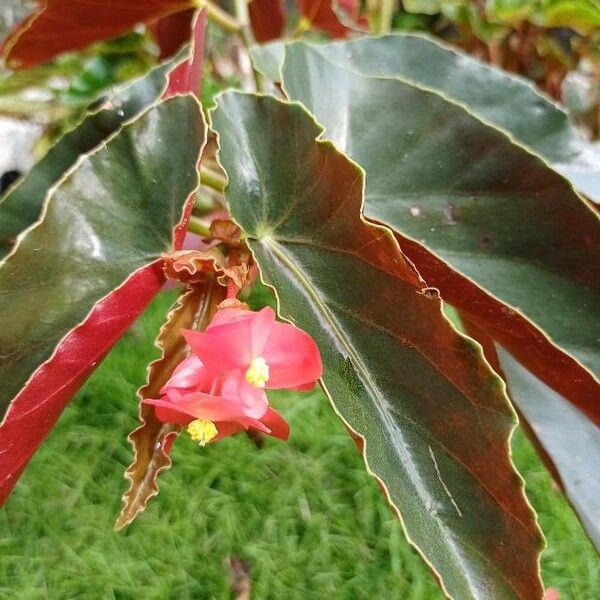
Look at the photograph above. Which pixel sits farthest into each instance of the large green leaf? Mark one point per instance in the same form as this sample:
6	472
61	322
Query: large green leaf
111	214
21	206
504	237
434	418
507	101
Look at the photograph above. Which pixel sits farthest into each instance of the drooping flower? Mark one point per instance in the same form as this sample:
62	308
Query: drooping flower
268	354
220	389
213	416
191	376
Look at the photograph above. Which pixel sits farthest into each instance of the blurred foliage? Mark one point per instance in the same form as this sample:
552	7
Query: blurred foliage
555	43
58	93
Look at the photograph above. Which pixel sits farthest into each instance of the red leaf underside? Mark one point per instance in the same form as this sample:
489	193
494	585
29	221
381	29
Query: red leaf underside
65	25
35	410
267	18
187	76
322	16
512	330
172	32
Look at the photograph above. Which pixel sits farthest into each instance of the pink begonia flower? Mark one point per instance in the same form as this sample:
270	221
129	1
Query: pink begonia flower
211	417
266	353
192	376
219	390
551	594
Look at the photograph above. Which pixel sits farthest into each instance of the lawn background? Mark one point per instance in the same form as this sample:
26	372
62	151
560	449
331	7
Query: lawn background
304	514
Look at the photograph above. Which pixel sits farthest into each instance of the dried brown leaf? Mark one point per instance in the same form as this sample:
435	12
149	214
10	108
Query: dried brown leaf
152	439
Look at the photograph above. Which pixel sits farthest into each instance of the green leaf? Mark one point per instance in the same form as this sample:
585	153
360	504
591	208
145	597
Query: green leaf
509	11
111	214
426	7
434	418
504	237
570	441
21	206
506	101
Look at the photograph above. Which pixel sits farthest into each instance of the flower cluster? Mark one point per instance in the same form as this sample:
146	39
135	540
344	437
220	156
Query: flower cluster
220	389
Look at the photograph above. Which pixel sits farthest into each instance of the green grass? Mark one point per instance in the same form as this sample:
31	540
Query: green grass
304	514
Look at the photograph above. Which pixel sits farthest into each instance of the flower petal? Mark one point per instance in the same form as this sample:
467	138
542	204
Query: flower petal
234	337
204	406
225	316
261	328
227	428
225	348
254	400
190	373
259	324
293	357
166	412
277	424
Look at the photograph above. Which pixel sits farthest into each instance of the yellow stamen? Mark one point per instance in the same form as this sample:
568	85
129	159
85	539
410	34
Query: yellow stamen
258	372
202	431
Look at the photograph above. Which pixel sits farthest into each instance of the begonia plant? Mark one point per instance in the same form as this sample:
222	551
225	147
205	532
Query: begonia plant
426	223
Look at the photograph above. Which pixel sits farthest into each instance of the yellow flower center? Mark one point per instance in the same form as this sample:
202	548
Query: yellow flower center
202	431
258	372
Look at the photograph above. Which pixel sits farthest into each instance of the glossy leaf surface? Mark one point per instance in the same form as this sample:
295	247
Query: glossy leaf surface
504	238
507	101
21	206
112	214
63	25
570	440
433	416
567	441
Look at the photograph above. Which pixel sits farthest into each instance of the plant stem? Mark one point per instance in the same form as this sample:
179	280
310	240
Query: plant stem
198	226
242	16
204	205
220	17
212	179
386	13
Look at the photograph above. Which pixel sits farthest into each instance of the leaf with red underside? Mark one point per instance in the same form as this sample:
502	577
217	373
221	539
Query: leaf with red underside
172	32
77	279
502	235
34	411
567	441
267	18
65	25
152	439
434	418
187	76
321	15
